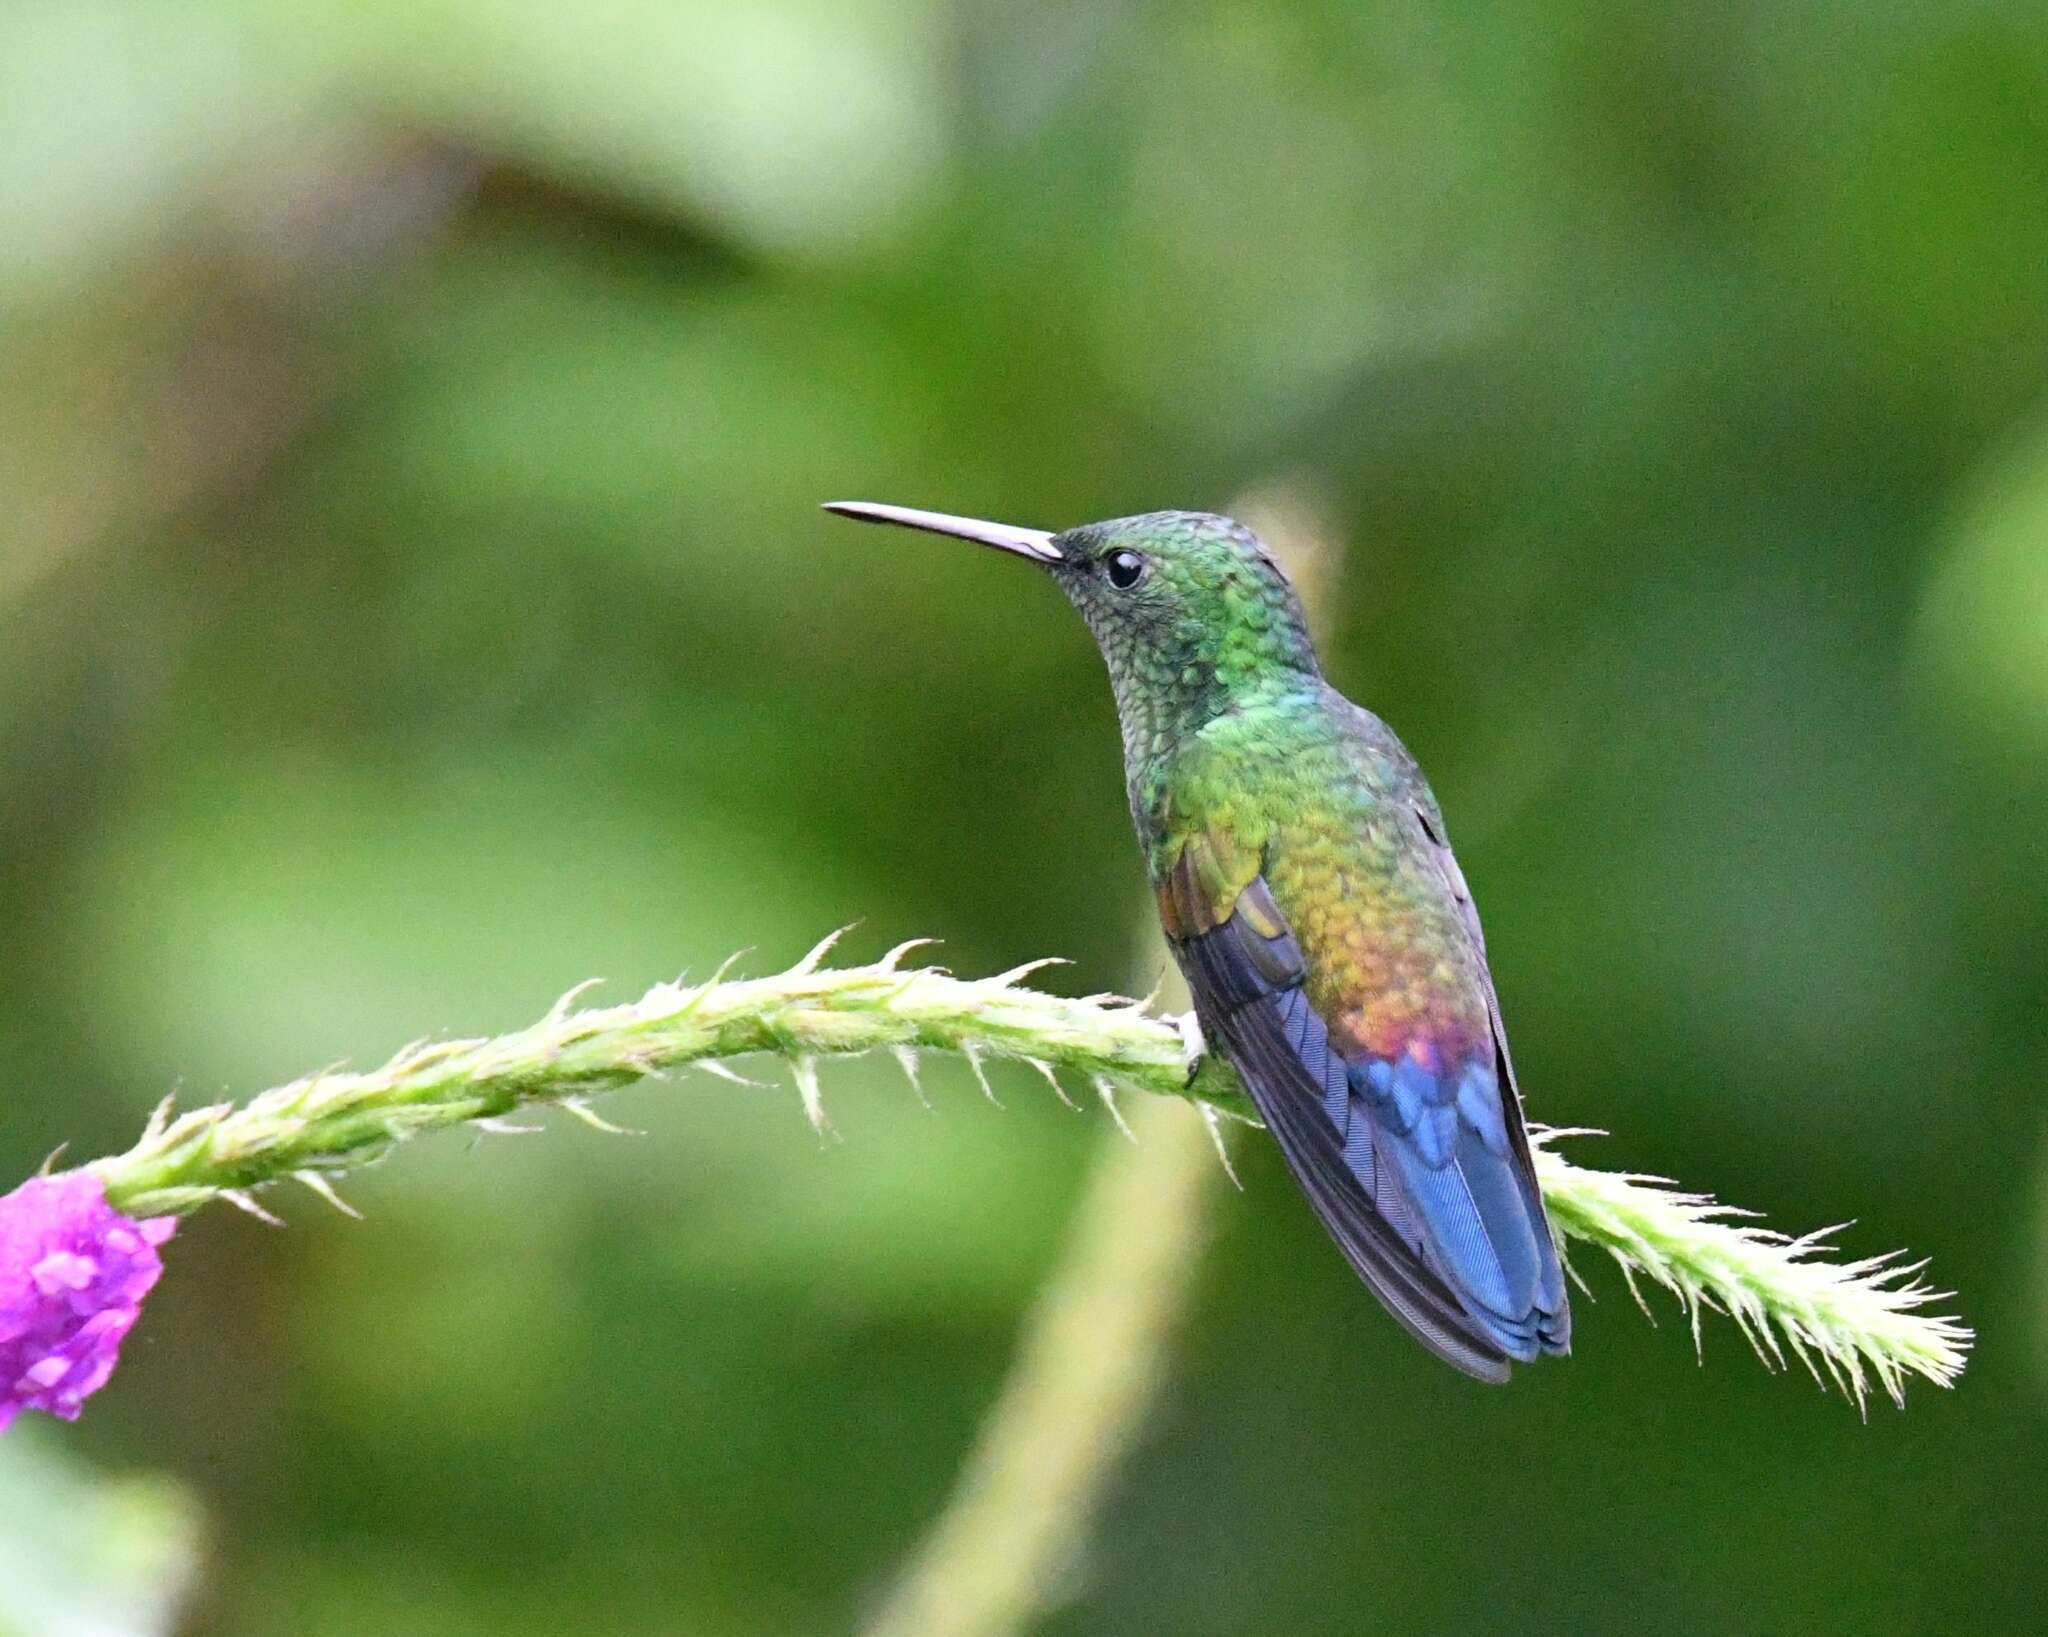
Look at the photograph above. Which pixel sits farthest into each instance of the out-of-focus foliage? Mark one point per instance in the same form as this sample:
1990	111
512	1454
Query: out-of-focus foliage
1986	626
88	1557
411	601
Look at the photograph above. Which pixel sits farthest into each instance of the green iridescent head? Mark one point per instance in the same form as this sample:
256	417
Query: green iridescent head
1183	604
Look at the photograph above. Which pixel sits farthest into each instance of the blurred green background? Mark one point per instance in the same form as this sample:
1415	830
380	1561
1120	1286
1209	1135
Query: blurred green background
412	601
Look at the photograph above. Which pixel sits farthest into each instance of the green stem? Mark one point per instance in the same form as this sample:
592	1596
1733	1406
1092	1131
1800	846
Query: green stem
1855	1320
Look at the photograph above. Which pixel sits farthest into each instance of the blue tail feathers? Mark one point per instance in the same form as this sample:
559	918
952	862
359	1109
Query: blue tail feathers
1480	1223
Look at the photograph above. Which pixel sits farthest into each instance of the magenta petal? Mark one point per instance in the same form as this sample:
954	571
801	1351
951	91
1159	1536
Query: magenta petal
73	1272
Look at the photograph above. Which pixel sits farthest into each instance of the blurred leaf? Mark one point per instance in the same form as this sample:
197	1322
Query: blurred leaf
1984	619
793	125
87	1556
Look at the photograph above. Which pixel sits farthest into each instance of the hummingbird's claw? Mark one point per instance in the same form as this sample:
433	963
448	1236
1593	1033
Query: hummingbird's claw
1193	1044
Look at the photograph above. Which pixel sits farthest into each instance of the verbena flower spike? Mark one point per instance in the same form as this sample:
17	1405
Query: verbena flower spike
1851	1322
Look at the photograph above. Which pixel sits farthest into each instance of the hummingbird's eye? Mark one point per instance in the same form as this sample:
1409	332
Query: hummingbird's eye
1125	569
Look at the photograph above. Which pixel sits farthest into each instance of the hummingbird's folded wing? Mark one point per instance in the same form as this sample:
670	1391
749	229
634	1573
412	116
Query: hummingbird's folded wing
1246	973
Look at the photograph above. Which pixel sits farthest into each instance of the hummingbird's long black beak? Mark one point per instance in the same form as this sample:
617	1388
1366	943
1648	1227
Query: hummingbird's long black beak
1035	544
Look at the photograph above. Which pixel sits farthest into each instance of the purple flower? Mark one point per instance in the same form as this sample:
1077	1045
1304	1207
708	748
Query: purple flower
73	1272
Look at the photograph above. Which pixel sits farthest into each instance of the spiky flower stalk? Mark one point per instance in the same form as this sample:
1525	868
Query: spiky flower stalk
1842	1317
1858	1319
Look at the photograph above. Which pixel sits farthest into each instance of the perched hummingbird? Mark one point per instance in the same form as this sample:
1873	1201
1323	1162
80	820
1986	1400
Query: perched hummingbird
1308	891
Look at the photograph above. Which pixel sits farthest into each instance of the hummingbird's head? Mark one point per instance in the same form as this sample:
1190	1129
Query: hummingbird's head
1186	604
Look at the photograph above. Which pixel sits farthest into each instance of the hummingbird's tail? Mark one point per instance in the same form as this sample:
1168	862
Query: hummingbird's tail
1359	1201
1477	1214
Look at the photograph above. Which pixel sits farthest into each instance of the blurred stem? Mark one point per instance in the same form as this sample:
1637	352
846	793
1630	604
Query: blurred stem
1093	1354
1094	1350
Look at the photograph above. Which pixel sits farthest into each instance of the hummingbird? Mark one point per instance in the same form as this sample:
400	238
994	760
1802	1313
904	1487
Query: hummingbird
1307	888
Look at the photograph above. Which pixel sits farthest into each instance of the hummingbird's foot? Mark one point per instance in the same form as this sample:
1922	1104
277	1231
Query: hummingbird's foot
1193	1044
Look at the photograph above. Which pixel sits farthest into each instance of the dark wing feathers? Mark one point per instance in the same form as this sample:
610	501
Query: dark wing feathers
1248	996
1416	1180
1505	1106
